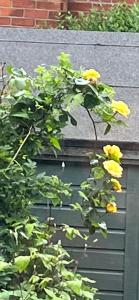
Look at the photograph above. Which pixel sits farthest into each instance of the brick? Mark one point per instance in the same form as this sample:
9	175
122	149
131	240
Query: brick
36	14
52	23
64	5
11	12
53	14
42	13
49	5
127	1
23	3
116	1
23	22
107	1
5	3
106	6
4	21
46	23
79	6
41	23
130	1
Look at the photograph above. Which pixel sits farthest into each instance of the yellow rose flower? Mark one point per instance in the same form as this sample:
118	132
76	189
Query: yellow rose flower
116	185
91	75
113	168
112	152
111	207
120	107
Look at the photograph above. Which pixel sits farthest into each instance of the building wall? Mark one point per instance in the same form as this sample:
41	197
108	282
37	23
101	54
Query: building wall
38	13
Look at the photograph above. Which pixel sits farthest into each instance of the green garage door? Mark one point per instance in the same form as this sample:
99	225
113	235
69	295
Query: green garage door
112	262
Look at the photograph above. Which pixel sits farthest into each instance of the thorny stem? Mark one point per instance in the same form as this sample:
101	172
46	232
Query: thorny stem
19	149
95	130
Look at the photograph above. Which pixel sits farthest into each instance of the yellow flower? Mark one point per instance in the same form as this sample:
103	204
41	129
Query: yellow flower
91	75
116	185
111	207
120	107
113	168
113	152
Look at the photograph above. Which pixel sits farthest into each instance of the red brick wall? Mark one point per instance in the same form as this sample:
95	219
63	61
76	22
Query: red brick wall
33	13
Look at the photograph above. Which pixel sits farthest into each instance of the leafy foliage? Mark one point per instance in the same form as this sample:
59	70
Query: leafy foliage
33	111
120	17
38	268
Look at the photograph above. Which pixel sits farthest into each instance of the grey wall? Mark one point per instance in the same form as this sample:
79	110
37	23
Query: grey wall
114	55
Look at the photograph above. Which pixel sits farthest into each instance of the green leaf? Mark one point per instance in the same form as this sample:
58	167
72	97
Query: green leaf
9	69
120	122
91	100
63	117
81	81
83	195
29	228
103	225
108	128
88	295
71	232
45	282
92	229
55	142
3	265
64	60
93	89
103	228
98	173
21	114
73	121
111	198
106	90
76	206
5	295
78	99
34	279
47	260
65	296
21	263
52	295
75	286
24	235
40	69
20	83
85	279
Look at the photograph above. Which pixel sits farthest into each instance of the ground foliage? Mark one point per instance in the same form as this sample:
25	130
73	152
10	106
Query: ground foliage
121	17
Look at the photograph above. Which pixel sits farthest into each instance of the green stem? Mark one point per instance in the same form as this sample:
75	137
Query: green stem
19	149
3	81
95	130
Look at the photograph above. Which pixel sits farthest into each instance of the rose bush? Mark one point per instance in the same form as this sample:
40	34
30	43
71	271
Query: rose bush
33	111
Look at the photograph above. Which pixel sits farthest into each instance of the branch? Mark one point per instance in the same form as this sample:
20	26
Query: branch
94	125
19	149
3	81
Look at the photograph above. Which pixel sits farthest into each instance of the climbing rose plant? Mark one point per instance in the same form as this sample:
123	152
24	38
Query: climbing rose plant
33	112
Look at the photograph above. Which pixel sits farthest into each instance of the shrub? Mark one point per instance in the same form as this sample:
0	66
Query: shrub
33	111
120	17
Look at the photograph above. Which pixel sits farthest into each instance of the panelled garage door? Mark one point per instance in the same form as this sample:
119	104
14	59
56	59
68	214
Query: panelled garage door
112	261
